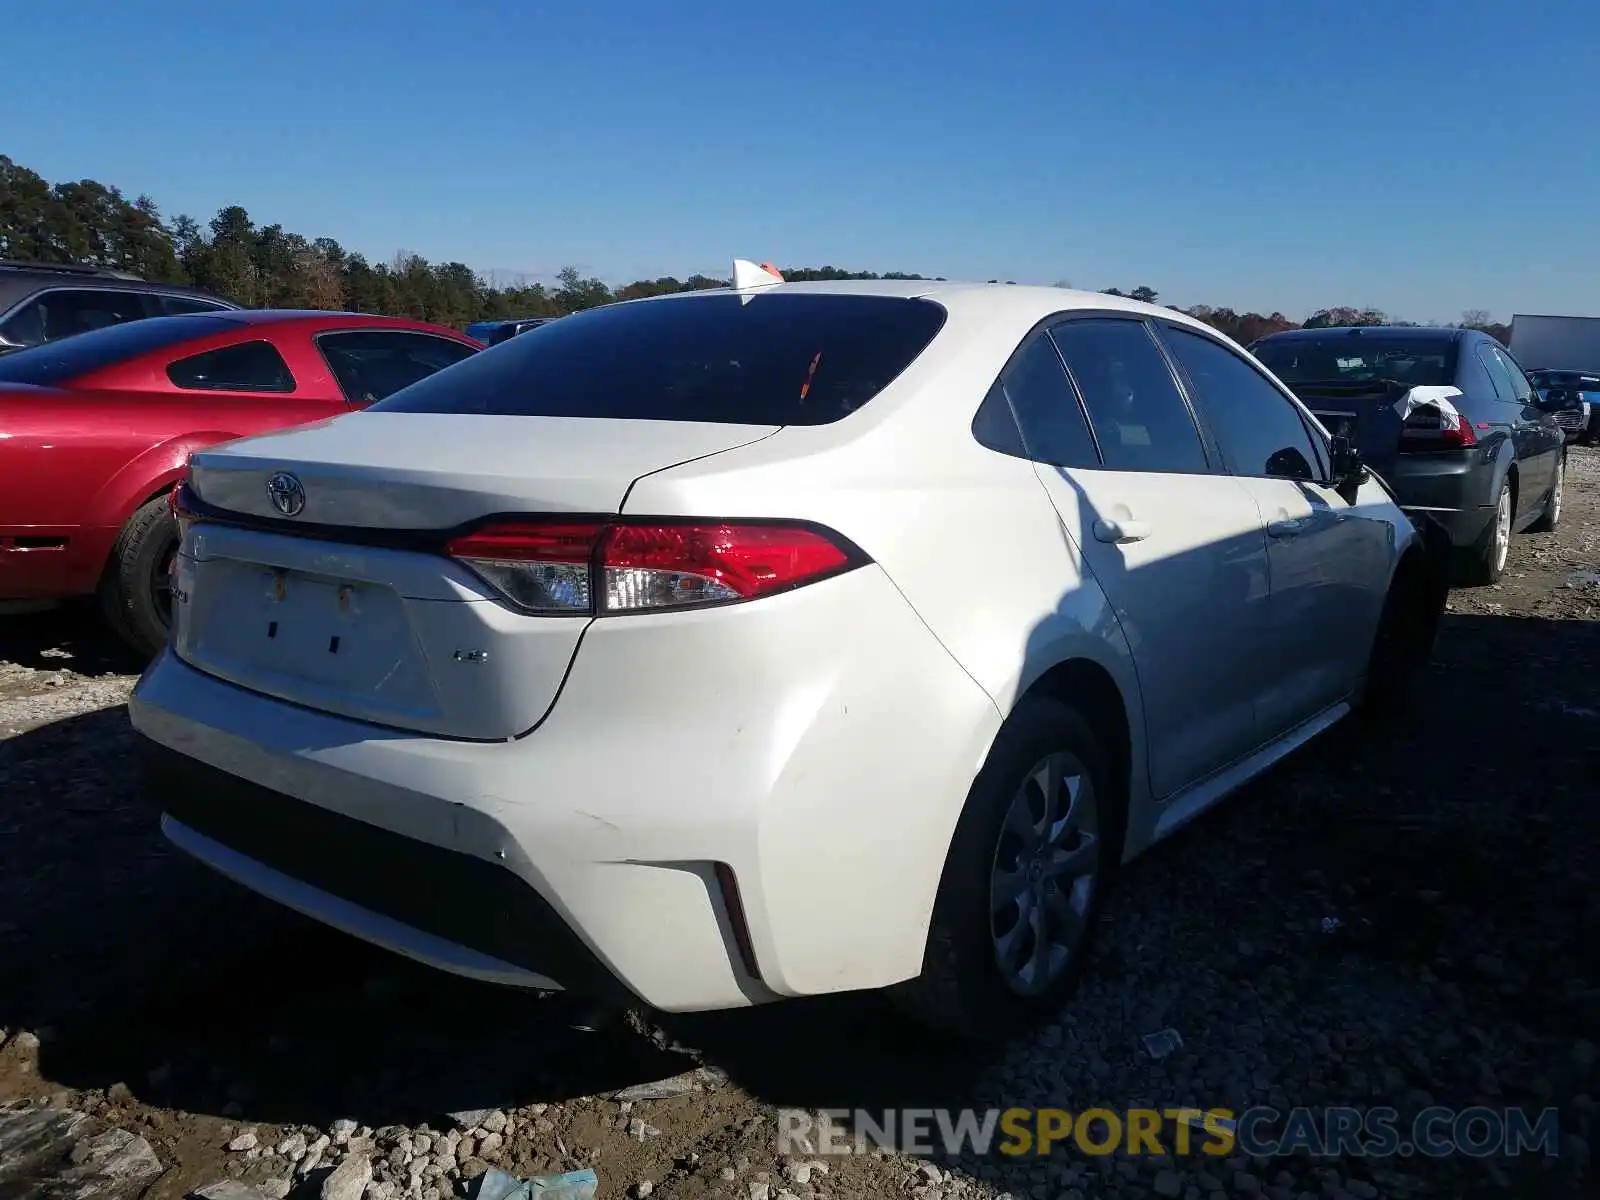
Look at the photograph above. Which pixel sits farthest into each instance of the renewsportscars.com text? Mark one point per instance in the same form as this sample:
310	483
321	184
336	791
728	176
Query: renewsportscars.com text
1333	1132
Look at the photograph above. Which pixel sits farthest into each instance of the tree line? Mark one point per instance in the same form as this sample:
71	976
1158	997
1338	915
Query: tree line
266	266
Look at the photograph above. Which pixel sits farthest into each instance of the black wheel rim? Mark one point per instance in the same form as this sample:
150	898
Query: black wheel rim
161	582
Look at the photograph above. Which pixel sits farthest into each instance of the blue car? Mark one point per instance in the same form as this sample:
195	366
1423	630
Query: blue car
492	333
1573	398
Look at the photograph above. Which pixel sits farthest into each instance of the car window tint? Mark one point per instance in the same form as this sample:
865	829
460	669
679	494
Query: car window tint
67	311
58	362
1047	410
1497	375
1139	417
247	367
994	424
1259	431
779	358
373	364
1521	389
174	306
1355	356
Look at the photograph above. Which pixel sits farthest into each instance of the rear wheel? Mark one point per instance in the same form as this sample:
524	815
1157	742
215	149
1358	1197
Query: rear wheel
1486	558
136	591
1551	517
1023	880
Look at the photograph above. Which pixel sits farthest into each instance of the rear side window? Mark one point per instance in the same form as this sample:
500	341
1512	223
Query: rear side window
1141	420
775	359
247	367
374	364
1046	408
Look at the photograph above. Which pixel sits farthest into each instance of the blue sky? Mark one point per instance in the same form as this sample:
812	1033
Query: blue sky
1418	156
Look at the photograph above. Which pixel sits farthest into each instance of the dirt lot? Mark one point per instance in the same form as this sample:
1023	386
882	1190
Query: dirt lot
1405	920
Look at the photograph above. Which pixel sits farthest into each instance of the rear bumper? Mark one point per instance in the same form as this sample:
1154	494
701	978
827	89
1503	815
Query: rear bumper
440	906
818	744
1456	490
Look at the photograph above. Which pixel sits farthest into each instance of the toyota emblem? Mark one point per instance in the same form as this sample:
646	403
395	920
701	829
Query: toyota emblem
287	493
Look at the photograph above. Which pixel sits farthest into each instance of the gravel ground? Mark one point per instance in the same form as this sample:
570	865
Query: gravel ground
1408	919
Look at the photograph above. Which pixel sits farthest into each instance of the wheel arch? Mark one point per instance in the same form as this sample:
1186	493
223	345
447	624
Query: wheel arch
1091	688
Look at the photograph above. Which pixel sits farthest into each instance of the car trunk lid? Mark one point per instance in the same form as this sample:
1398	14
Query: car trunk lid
348	603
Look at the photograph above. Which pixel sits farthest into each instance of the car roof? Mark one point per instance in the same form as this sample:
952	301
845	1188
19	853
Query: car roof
318	316
1414	333
969	300
18	279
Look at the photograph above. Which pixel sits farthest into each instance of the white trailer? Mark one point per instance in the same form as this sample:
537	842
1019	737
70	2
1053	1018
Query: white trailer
1556	343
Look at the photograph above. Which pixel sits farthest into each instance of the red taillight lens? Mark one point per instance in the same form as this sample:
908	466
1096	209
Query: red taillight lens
180	503
666	566
1432	429
580	569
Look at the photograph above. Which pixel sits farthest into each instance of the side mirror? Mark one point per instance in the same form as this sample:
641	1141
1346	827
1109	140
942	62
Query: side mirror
1349	472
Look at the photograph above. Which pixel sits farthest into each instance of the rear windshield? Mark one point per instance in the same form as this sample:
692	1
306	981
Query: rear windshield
64	360
1341	358
778	359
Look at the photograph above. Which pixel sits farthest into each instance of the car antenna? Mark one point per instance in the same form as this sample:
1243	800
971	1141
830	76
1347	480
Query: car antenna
749	277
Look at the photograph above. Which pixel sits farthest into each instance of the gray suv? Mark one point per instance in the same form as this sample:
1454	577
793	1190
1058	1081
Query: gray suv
42	302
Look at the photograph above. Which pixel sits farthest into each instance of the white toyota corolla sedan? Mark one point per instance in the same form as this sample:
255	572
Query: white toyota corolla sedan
712	649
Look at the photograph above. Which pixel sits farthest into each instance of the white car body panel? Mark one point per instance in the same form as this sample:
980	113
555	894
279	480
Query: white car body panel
822	742
651	763
425	471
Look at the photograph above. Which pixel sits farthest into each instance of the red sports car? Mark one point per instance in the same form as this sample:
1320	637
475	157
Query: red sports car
96	428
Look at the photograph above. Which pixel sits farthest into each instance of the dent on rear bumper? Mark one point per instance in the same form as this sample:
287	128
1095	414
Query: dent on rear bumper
1457	491
820	743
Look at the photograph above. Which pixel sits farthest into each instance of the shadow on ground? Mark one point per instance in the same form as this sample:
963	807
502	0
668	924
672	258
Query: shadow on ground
145	969
71	636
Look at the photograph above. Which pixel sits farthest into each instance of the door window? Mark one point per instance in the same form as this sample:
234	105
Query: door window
247	367
373	364
176	306
68	311
1498	375
1260	432
1139	417
1521	389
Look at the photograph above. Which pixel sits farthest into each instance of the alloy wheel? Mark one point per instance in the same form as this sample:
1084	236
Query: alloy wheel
1502	529
1044	874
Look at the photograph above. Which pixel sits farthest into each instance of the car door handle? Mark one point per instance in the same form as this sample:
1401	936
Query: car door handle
1286	528
1120	531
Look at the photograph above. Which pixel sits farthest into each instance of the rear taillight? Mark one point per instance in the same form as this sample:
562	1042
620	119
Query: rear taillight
595	569
1431	429
180	503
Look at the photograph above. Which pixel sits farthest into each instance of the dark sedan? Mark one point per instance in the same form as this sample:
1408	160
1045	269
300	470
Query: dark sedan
1446	416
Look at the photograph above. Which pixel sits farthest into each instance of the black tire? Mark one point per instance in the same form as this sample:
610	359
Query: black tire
1551	516
962	991
1482	562
130	589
